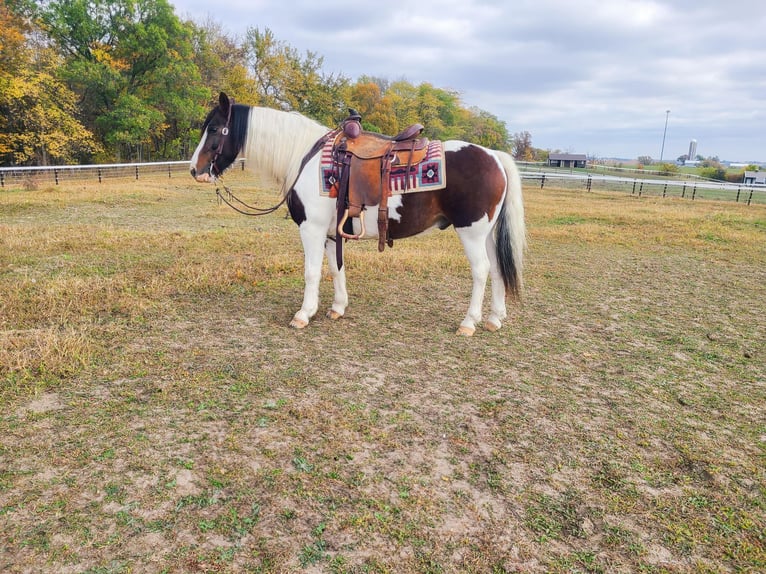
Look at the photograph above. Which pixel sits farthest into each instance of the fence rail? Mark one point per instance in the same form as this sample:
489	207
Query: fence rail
692	190
34	177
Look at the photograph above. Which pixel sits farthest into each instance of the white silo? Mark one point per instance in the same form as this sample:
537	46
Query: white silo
692	150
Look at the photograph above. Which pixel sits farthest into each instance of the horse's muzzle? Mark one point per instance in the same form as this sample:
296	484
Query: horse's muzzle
202	176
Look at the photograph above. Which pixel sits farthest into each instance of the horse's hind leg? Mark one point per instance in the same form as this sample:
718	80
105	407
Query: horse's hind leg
474	243
497	288
340	295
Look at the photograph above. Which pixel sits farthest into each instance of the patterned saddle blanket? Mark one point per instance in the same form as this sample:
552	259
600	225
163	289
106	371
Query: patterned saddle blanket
427	173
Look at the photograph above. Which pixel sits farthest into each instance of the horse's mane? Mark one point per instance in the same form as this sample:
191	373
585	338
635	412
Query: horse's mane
277	142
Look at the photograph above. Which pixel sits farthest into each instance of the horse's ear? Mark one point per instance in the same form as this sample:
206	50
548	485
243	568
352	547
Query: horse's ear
223	102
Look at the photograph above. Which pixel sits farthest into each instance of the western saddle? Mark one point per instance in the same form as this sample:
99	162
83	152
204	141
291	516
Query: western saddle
364	161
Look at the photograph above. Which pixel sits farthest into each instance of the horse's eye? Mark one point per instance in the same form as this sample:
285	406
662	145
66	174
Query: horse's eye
212	130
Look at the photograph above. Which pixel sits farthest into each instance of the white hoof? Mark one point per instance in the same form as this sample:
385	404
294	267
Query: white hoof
334	315
492	327
465	331
298	323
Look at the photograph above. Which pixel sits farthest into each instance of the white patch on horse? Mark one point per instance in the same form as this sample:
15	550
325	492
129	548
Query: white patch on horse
499	164
394	204
455	145
195	157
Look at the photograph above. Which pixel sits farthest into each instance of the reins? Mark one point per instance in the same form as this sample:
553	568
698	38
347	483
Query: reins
230	199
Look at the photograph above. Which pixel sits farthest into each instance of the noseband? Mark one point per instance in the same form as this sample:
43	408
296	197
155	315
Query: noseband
224	133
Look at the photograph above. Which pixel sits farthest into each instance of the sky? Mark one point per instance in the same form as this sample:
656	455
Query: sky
590	76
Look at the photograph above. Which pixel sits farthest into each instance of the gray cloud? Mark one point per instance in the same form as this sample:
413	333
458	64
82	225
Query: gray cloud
591	76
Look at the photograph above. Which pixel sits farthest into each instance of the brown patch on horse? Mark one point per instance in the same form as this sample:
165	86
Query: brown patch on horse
475	186
469	171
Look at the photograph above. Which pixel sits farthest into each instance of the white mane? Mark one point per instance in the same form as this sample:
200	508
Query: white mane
277	141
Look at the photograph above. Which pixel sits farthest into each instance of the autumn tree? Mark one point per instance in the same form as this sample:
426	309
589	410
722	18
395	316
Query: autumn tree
438	111
39	112
288	81
126	79
130	62
389	108
404	102
521	146
222	62
367	97
483	128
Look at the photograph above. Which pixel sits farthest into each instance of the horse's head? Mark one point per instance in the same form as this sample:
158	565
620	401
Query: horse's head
221	140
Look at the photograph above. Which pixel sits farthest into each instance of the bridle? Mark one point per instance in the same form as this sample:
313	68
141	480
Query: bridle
227	196
214	171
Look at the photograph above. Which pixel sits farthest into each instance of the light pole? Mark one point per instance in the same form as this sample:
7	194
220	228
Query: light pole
665	131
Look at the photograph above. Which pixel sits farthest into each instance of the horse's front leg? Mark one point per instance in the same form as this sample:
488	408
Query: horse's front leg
340	297
313	238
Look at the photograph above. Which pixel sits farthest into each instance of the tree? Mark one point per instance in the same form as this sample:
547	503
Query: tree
481	127
127	57
287	81
222	62
711	161
521	146
13	41
714	172
645	160
40	127
667	168
38	111
376	109
438	111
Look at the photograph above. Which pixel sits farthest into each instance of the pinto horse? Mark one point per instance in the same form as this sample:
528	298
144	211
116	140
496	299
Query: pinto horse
482	201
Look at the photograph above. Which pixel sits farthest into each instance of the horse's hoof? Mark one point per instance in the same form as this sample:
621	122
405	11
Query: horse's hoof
298	323
466	331
334	315
492	327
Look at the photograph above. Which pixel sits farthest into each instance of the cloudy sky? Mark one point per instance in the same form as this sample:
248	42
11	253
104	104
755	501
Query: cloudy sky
592	76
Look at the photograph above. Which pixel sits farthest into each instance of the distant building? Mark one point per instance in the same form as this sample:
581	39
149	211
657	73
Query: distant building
755	178
567	160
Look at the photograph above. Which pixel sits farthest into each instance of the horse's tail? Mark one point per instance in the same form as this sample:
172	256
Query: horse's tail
511	233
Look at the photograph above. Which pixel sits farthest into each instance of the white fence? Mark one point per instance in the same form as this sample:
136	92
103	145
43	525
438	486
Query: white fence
700	189
11	177
36	177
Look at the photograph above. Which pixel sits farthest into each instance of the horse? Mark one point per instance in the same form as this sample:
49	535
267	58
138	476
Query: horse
482	200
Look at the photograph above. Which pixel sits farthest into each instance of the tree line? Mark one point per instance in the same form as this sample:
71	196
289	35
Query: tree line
92	81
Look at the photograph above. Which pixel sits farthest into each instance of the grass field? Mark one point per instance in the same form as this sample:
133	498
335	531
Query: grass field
158	415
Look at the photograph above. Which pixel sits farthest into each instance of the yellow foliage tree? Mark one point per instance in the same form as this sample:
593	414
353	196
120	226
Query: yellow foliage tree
40	122
38	111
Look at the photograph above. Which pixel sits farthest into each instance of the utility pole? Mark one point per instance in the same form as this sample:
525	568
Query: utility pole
665	131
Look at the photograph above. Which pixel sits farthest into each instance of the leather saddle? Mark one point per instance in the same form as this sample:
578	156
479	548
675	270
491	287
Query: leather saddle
364	161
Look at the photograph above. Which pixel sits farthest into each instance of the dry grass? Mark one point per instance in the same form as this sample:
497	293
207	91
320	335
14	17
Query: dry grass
157	415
